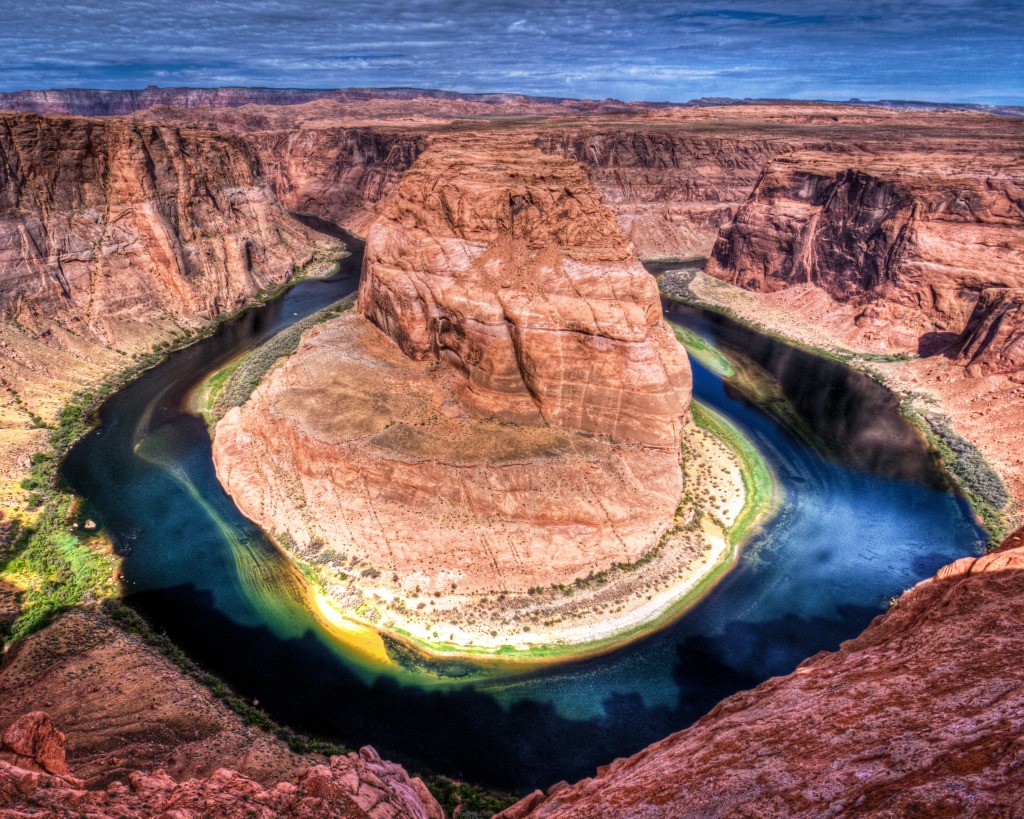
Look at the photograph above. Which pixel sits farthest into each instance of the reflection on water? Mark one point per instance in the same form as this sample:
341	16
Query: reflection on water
866	515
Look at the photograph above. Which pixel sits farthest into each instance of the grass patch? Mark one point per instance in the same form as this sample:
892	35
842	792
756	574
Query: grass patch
467	801
55	570
704	352
758	484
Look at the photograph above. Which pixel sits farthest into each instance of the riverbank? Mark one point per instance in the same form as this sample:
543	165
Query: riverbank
972	423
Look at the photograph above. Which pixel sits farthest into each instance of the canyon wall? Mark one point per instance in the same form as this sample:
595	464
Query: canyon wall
919	715
337	173
907	239
107	221
116	236
671	189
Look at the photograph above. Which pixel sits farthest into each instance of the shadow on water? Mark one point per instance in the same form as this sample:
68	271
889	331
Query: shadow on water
865	514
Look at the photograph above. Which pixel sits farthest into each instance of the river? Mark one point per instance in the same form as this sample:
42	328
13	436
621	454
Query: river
866	513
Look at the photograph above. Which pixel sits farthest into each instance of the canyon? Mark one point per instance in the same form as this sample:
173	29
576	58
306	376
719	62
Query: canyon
879	233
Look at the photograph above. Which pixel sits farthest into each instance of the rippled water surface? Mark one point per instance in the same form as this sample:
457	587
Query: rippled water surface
865	515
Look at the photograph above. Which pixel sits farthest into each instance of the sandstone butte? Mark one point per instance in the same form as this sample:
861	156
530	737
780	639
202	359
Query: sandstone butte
505	411
864	228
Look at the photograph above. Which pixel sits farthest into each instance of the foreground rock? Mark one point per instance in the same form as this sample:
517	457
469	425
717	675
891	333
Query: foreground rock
901	721
34	777
507	416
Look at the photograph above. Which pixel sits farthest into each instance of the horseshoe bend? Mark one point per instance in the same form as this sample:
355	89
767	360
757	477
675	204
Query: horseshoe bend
488	451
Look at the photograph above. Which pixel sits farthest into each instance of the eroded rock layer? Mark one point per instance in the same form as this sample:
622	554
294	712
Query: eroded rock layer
510	415
920	715
909	239
993	340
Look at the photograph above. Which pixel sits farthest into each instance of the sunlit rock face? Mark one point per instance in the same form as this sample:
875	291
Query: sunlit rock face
908	236
108	223
507	414
502	262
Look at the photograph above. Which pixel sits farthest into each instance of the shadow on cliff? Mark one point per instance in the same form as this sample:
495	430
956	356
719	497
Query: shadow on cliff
465	732
932	344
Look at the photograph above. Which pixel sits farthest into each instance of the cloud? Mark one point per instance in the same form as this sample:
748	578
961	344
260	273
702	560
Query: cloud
950	50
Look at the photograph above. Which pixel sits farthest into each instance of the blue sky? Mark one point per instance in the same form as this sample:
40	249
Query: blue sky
939	50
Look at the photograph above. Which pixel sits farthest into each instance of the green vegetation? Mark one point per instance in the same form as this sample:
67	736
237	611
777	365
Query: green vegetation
758	484
232	385
704	352
980	483
55	569
467	801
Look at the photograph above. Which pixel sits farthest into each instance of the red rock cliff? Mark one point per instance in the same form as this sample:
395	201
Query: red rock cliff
107	221
502	261
916	234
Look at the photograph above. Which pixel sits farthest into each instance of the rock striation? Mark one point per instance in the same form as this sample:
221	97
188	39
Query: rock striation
106	223
908	239
993	340
901	721
34	777
508	413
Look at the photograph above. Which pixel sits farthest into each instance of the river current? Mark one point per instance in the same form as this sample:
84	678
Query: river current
865	514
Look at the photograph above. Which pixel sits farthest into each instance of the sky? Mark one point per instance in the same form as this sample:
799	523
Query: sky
934	50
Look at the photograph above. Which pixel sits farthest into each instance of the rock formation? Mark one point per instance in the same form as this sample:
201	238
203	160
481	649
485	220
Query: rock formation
34	776
502	261
920	715
993	340
517	421
906	238
104	223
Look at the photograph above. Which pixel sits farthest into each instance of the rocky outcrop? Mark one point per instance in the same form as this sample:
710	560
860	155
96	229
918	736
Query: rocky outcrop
503	262
908	239
993	340
507	416
32	742
920	715
34	776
